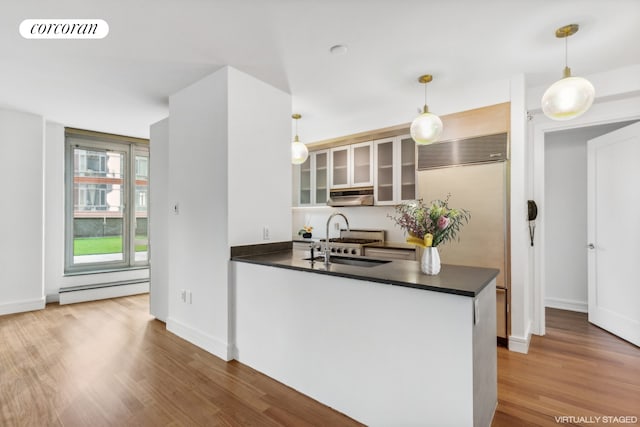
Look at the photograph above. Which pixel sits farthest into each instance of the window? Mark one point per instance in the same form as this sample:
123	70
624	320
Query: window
142	167
90	163
105	174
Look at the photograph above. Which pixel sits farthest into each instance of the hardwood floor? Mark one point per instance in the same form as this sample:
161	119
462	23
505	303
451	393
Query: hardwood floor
576	370
109	363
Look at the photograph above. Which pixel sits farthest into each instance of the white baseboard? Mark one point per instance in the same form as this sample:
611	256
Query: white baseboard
83	295
22	306
519	344
567	304
201	339
53	298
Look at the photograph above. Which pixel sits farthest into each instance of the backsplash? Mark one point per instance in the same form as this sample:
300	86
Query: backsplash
363	217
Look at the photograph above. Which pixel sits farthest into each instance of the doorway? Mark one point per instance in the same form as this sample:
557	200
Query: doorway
570	168
611	115
565	180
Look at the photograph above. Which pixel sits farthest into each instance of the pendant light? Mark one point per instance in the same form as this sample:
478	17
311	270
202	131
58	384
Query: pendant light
299	151
427	127
569	97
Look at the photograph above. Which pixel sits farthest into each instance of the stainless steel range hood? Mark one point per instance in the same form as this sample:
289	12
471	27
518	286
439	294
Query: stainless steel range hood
362	196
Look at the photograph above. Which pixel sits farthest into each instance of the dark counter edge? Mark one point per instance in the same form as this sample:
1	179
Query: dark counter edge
243	254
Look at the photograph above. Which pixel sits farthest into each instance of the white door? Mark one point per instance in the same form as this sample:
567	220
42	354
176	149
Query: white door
614	232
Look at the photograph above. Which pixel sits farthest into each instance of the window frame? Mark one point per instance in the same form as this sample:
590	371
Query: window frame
130	147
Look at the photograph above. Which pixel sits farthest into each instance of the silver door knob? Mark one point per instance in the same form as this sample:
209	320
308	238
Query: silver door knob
591	246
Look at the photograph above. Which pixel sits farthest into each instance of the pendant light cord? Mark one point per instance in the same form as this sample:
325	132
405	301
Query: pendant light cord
424	109
566	51
424	80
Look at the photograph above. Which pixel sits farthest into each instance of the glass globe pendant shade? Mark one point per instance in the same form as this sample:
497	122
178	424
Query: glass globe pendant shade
426	128
299	152
568	98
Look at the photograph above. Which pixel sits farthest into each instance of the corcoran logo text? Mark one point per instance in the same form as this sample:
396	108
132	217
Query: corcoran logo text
64	29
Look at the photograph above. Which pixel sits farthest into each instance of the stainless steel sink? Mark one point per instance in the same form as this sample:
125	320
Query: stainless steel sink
359	262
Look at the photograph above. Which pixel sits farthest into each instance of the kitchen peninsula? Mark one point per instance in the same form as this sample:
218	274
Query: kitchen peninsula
384	344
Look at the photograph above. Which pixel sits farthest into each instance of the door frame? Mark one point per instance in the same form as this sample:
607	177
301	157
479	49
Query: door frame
601	113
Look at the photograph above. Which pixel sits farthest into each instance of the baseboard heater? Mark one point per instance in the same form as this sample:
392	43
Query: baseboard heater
82	293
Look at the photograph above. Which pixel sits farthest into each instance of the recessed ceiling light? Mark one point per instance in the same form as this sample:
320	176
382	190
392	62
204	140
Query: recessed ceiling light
338	49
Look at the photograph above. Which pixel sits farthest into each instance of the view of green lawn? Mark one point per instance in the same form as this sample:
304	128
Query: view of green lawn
102	245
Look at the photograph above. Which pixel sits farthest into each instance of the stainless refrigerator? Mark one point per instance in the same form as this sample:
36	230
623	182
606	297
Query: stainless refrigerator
478	183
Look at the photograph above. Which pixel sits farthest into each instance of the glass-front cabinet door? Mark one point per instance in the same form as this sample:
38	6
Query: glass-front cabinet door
321	177
313	179
305	183
362	164
340	167
407	168
395	170
384	172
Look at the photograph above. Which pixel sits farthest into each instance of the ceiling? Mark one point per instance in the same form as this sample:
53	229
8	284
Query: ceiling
121	84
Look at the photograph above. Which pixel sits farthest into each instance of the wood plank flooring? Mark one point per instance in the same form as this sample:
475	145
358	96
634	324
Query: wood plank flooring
576	370
108	363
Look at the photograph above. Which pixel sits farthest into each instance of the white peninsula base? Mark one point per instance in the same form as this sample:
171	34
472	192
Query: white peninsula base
384	355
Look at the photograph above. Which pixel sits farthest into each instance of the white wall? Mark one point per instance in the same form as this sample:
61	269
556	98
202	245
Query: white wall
230	174
521	291
21	212
259	156
54	210
566	230
198	236
566	216
159	224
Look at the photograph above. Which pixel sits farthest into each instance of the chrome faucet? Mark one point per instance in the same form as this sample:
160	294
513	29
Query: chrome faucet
327	252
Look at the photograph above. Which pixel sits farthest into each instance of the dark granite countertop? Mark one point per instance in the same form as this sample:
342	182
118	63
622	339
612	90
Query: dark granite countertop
453	279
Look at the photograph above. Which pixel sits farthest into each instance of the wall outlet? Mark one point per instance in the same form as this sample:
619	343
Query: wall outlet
265	233
176	208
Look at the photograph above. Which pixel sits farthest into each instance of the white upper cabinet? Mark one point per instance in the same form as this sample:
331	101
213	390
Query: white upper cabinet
305	183
384	156
395	170
362	164
321	175
314	179
352	165
407	173
340	167
389	165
